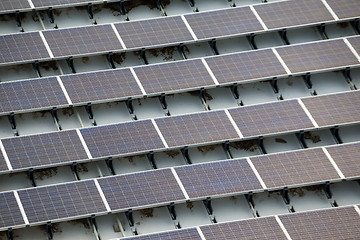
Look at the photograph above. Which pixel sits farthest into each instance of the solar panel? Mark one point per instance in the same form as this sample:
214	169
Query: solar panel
317	56
122	138
240	67
224	22
22	47
252	229
10	214
141	189
105	85
196	128
31	94
275	117
294	168
345	8
158	31
174	76
355	42
347	158
180	234
61	201
3	165
82	40
53	3
334	109
293	13
211	179
44	149
6	5
333	224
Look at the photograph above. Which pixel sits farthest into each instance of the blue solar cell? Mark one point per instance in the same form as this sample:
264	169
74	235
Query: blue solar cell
180	234
10	214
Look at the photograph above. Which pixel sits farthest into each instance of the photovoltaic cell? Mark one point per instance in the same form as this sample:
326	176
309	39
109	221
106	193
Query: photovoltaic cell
345	8
211	179
240	67
6	5
275	117
355	42
122	138
181	234
31	94
141	189
90	87
82	40
53	3
22	47
334	109
158	31
3	166
333	224
223	22
61	201
317	56
10	214
293	13
294	168
44	149
196	128
174	76
252	229
347	157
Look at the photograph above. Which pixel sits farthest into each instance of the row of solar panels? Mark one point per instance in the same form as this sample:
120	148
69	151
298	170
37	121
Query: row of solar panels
179	76
170	30
192	182
57	148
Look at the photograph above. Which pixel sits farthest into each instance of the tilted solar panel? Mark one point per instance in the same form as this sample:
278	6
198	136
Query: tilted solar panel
3	165
10	214
6	5
60	3
355	42
345	8
180	234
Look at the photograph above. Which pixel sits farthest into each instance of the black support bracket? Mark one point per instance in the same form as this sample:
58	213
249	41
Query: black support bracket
70	63
12	120
109	164
335	133
150	157
30	174
283	35
209	209
185	153
18	19
356	25
260	144
142	54
123	10
250	200
74	169
130	108
192	3
285	195
56	118
251	39
164	104
300	137
50	14
110	58
322	31
213	46
36	68
129	217
274	85
202	93
171	208
226	147
181	49
88	108
9	234
49	231
307	80
90	11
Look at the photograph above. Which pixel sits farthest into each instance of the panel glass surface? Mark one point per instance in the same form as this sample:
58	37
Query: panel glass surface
174	76
141	189
44	149
345	8
355	42
196	128
181	234
294	168
112	140
333	224
82	40
276	117
158	31
6	5
334	109
103	85
61	201
211	179
317	56
53	3
347	157
252	229
31	94
240	67
223	22
10	214
3	166
22	47
293	13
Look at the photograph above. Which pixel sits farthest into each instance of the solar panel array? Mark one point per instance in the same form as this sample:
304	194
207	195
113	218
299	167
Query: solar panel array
345	8
54	3
3	165
180	234
10	214
355	42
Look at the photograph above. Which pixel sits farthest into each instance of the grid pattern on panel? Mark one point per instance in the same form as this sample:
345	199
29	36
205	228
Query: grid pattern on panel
293	13
10	214
104	85
252	229
196	128
332	224
3	166
245	66
51	3
224	22
25	95
317	56
270	118
181	234
122	138
355	42
141	189
347	157
211	179
44	149
153	32
22	47
334	109
345	8
61	201
13	5
174	76
294	168
82	40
